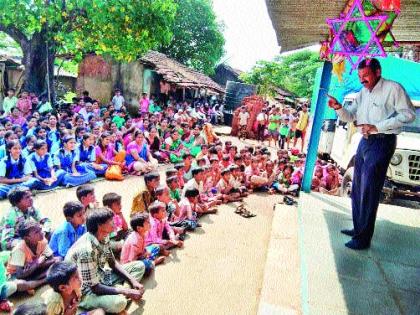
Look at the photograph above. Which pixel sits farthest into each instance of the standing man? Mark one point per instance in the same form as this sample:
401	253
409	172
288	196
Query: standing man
301	127
380	109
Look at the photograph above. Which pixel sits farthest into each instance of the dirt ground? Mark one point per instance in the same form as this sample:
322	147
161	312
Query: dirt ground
219	270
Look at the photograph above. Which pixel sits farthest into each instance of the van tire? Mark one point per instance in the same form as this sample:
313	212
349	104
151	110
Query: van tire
346	184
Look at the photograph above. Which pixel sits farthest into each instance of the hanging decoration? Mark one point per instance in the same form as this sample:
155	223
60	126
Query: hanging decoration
362	30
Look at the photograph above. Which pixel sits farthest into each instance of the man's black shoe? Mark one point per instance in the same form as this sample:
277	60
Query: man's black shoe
357	245
348	232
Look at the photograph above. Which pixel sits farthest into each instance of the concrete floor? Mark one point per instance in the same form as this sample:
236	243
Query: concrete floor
335	280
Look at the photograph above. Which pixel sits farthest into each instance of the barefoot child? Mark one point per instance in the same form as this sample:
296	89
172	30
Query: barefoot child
64	296
134	246
86	195
146	196
159	223
32	256
187	217
224	186
70	231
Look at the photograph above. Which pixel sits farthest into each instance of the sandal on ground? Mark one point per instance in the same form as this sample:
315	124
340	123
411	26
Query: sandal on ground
239	209
247	214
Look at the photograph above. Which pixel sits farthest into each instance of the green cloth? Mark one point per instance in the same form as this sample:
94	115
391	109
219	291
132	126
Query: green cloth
45	108
9	104
284	130
119	121
154	108
273	125
175	194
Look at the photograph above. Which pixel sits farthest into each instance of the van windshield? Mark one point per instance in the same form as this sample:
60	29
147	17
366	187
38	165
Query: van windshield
415	125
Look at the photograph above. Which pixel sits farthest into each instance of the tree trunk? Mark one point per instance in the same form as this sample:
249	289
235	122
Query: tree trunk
38	63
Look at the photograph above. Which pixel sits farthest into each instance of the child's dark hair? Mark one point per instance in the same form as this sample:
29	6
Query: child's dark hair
225	171
138	220
60	274
196	171
170	172
31	309
21	163
171	179
25	227
151	176
191	193
110	198
71	208
155	207
160	190
98	217
39	144
16	194
84	190
179	166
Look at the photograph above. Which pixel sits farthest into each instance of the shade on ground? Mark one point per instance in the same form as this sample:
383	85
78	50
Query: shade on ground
335	280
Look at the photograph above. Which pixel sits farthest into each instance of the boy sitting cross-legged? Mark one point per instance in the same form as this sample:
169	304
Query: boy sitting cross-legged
31	256
70	231
134	246
159	226
63	297
99	269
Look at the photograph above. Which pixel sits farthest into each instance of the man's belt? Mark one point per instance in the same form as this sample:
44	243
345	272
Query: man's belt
380	136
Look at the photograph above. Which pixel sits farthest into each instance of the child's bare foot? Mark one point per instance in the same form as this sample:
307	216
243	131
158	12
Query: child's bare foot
211	211
159	260
165	252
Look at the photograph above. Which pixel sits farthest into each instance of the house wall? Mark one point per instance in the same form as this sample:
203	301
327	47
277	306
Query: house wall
128	77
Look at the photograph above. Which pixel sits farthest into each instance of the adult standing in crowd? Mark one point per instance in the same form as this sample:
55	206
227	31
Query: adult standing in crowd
380	109
301	127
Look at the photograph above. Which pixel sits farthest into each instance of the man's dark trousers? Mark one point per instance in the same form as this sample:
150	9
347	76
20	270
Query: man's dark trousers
371	164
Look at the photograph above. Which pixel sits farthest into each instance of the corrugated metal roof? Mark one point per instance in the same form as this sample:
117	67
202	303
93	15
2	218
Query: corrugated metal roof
301	23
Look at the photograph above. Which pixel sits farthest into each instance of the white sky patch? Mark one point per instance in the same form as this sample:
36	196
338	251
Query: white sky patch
248	32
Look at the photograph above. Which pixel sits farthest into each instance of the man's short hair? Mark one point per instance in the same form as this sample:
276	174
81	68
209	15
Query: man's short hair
16	194
196	171
98	217
60	274
84	190
71	208
110	198
372	63
171	179
138	220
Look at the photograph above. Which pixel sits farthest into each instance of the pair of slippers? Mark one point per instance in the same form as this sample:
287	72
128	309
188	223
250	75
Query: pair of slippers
243	212
289	201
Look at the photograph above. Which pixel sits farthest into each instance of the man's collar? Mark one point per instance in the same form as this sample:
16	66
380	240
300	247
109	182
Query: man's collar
378	85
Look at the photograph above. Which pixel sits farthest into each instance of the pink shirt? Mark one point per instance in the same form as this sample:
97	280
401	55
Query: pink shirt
185	208
109	153
133	248
24	105
155	235
144	105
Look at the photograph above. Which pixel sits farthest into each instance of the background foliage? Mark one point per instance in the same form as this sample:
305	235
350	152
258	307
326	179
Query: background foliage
294	72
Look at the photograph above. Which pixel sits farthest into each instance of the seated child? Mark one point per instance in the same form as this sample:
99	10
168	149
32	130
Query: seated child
70	231
134	247
64	296
180	168
86	195
317	181
22	210
173	186
113	202
158	224
187	217
31	256
9	287
146	196
237	181
331	182
225	187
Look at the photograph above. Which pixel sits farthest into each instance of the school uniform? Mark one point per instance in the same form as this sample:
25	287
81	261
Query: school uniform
64	159
87	156
13	169
43	166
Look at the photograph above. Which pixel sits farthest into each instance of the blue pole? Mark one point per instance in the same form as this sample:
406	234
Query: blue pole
318	120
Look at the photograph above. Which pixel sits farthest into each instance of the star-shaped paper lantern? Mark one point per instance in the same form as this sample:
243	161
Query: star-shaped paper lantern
346	43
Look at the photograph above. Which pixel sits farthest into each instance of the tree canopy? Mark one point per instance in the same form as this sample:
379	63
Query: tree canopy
197	39
294	72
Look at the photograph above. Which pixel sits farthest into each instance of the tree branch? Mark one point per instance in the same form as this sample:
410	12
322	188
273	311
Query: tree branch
15	33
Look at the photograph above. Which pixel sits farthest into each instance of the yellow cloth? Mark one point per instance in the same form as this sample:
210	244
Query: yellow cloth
303	121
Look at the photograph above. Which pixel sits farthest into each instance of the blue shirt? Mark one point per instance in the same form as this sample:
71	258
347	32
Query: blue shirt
64	237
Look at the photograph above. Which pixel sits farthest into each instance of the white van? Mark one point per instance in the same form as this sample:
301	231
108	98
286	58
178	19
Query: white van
403	176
